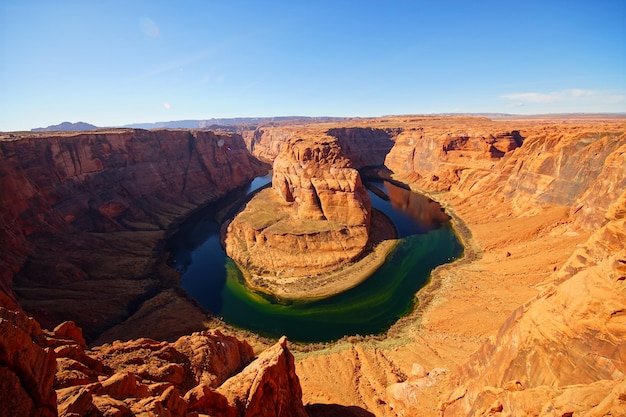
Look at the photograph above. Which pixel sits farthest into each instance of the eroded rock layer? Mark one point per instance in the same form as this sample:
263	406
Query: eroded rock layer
317	206
82	216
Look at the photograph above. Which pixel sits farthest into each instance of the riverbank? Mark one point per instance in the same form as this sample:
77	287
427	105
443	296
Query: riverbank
383	240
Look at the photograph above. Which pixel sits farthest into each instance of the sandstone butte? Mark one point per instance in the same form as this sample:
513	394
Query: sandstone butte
529	322
317	206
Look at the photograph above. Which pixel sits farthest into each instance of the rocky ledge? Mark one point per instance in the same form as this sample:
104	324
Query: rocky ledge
48	373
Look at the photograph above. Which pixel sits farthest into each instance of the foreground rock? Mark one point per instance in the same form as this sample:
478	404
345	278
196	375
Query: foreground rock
268	386
317	206
27	367
45	373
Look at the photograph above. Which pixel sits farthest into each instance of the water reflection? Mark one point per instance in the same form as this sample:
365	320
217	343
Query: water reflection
412	213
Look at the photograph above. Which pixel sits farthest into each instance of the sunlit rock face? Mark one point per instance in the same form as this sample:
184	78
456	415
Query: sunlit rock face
314	219
437	160
49	373
561	352
577	354
321	183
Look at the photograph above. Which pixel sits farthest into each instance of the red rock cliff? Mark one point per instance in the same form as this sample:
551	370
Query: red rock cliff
437	159
118	191
563	352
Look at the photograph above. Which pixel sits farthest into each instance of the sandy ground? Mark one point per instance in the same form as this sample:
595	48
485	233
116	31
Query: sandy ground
509	258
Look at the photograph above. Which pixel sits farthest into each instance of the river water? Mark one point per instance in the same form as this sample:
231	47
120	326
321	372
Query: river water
426	241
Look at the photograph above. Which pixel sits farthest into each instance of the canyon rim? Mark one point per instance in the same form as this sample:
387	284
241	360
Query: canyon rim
530	322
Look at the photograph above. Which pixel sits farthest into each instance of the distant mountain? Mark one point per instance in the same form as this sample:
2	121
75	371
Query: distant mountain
66	127
230	124
235	124
208	123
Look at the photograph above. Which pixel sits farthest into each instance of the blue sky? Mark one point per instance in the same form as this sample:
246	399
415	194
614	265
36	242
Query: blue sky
112	62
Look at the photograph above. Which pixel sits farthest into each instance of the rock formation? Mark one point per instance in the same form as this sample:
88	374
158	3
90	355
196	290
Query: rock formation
365	147
268	386
435	160
27	367
266	143
317	205
569	343
206	372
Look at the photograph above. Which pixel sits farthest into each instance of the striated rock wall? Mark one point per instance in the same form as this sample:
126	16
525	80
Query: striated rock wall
582	171
321	182
435	160
561	353
62	195
111	181
363	146
266	143
577	166
569	341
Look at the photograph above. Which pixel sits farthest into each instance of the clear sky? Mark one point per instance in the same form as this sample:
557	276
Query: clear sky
111	62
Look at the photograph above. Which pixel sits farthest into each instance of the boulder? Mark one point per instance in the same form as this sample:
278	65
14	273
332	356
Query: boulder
27	369
268	386
213	356
68	330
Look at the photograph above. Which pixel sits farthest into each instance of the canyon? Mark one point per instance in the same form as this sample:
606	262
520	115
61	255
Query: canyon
529	322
